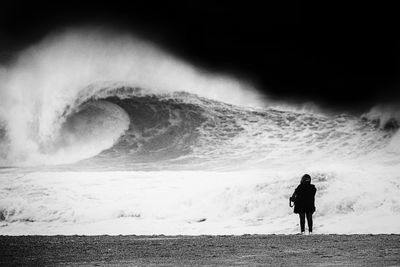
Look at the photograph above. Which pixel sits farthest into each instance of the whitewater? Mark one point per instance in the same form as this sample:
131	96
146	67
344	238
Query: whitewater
105	133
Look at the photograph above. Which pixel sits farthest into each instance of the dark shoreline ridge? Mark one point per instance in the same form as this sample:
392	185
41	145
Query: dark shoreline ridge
366	250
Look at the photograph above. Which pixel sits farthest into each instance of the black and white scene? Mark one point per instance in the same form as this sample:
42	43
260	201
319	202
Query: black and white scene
197	133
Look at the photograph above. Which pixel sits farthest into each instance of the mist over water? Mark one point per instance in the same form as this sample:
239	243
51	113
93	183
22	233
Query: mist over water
52	78
107	130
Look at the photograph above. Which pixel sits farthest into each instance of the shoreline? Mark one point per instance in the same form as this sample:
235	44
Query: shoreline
211	250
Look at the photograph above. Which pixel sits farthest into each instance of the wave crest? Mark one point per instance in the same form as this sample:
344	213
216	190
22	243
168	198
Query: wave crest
42	86
81	95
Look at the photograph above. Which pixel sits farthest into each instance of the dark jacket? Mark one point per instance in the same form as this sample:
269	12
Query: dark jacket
304	198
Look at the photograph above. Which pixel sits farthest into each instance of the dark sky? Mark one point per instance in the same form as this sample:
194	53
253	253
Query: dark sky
340	61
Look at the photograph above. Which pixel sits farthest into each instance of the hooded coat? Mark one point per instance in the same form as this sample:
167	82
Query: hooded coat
304	198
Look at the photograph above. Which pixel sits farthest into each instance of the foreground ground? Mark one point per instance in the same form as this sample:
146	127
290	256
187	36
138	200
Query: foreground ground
326	250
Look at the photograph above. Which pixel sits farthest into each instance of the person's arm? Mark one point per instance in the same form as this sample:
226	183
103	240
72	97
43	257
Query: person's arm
295	193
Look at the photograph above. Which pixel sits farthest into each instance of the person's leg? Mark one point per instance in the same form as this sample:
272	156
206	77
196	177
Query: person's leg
302	221
309	221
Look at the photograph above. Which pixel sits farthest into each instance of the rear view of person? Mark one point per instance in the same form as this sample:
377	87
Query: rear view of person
304	202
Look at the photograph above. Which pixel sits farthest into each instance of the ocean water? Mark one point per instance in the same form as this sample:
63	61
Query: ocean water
102	133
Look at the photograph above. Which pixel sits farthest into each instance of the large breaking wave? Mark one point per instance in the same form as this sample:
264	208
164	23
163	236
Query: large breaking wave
50	81
217	158
124	127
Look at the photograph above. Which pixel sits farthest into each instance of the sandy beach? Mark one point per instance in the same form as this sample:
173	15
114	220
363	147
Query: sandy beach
246	250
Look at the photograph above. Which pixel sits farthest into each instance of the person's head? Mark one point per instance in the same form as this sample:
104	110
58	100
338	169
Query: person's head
306	179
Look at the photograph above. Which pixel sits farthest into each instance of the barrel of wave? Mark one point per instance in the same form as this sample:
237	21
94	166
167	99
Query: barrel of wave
94	127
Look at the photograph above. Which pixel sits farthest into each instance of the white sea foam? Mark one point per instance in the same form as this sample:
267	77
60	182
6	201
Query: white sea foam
350	199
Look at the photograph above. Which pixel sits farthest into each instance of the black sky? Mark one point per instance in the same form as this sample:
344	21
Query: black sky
349	62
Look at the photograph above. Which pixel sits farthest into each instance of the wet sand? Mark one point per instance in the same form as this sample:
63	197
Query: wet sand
273	250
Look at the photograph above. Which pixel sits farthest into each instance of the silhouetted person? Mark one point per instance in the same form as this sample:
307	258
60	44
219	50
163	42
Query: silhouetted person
304	202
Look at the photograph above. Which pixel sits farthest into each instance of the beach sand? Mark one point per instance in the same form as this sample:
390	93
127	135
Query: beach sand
273	250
